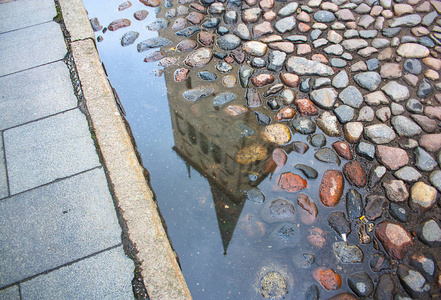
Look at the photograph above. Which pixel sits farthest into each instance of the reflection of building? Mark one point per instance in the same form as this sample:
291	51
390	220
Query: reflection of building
227	213
209	140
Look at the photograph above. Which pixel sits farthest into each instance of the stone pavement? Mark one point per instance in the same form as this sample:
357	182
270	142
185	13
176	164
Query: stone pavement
59	233
360	76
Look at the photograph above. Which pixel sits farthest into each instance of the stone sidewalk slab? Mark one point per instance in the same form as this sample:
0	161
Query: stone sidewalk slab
3	177
10	293
56	224
25	13
27	48
56	147
104	276
36	93
76	20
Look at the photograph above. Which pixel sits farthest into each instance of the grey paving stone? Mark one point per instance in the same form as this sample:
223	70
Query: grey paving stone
3	178
24	13
56	224
28	47
11	293
35	93
76	20
107	275
43	151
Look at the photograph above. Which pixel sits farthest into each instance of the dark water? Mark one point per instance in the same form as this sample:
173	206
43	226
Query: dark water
223	244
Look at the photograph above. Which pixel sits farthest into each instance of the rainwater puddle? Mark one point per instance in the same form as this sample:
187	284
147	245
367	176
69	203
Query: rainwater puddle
228	246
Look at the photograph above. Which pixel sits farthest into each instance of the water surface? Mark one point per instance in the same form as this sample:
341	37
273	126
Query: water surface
189	149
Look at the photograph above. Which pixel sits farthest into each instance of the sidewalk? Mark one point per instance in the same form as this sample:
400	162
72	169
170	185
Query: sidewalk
66	162
59	232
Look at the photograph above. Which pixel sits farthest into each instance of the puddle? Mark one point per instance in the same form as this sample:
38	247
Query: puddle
215	175
190	151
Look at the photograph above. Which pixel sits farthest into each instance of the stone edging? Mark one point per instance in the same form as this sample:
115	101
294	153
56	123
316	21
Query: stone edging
159	267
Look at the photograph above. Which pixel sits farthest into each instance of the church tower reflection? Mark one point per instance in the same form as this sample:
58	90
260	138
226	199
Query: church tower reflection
225	149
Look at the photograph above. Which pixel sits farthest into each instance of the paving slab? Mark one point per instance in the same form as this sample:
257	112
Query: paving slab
10	293
28	47
6	1
56	224
107	275
3	178
36	93
42	151
76	20
25	13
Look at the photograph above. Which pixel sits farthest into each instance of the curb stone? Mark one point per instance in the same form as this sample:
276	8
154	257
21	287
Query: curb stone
159	267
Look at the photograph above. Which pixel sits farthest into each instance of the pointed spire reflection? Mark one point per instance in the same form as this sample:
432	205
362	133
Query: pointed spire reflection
227	150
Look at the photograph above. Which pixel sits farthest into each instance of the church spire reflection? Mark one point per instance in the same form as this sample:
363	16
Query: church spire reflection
225	149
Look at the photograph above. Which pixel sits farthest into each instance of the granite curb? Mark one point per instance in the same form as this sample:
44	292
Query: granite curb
159	267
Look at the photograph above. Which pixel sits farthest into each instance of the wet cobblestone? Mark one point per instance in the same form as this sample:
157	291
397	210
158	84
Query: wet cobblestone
367	74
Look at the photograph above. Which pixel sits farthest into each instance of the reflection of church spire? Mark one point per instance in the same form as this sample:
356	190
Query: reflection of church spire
188	168
224	149
227	213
